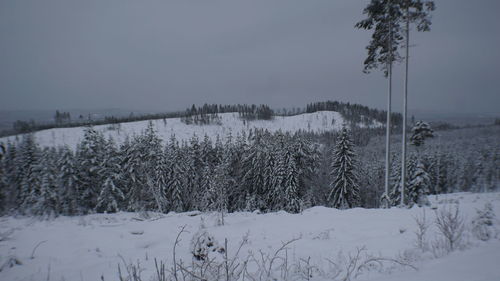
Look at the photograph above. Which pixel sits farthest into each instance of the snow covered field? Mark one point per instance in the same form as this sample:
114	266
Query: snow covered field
318	122
91	247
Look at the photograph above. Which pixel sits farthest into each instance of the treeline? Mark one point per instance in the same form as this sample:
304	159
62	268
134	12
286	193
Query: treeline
458	160
259	171
355	113
255	171
24	127
208	114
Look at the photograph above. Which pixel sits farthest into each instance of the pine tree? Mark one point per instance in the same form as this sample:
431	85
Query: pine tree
194	166
395	182
12	178
110	195
253	165
27	162
306	157
344	188
90	154
219	188
141	160
276	191
131	163
383	16
68	183
176	179
418	185
152	152
293	203
47	202
420	132
207	181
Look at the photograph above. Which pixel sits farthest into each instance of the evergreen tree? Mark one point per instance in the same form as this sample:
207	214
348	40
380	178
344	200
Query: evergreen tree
110	196
194	167
418	185
253	166
68	183
395	182
90	154
27	163
383	16
176	177
152	152
344	188
219	188
47	201
420	132
207	181
141	160
292	203
276	191
237	194
12	178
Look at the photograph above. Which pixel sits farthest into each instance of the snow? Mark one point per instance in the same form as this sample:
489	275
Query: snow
318	122
476	264
91	246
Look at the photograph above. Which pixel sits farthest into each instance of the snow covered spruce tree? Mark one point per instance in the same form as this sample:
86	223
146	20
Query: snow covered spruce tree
90	153
293	202
420	131
27	161
193	171
253	171
47	202
395	181
418	185
12	179
176	177
68	182
283	193
219	187
140	161
344	188
110	196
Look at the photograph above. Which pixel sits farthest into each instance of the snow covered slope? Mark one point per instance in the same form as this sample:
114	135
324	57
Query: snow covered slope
88	247
230	123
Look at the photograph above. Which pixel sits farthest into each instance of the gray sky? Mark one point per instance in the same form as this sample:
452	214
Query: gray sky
168	54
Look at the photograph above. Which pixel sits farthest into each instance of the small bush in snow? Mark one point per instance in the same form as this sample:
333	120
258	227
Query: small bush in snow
422	227
451	226
203	244
482	224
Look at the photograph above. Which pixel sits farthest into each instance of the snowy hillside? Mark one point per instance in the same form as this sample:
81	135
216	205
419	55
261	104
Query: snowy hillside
318	122
88	247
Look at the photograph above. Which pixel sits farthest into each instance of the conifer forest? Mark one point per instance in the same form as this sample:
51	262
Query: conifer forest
250	140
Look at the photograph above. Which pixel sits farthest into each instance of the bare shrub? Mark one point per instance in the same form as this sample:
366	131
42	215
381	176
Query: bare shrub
451	226
353	265
422	227
214	265
132	272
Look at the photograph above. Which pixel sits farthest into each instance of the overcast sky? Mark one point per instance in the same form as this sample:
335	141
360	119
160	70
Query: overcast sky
166	55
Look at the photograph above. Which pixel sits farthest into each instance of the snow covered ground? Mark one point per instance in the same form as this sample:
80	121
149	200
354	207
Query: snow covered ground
230	123
88	247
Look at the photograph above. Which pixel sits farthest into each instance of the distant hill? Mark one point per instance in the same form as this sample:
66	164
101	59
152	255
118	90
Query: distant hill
226	123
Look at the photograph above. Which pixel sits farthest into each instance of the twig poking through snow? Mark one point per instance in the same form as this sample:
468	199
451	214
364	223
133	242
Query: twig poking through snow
34	249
